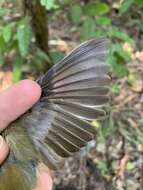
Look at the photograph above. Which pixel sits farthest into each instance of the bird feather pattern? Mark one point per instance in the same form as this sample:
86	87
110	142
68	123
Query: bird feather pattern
58	125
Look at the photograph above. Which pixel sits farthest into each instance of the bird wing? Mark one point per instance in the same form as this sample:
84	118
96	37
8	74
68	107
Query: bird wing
73	93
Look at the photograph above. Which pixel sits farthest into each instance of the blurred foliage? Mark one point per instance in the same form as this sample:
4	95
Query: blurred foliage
90	18
16	46
94	19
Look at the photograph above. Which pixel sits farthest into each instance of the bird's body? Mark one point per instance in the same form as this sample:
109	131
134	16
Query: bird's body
73	92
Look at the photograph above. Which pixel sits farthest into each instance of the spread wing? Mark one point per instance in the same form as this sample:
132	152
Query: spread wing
73	93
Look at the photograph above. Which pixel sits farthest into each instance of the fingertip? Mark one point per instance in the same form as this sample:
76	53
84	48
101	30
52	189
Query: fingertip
17	100
4	149
30	89
45	181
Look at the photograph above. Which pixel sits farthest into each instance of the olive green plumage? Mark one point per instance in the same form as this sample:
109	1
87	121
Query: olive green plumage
58	125
19	170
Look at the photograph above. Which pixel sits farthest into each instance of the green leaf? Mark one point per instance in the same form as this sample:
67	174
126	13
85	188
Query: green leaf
102	166
114	165
65	2
131	78
118	58
103	21
23	37
141	122
3	11
130	166
56	56
99	33
120	70
117	49
2	44
88	29
42	55
49	4
96	9
76	13
116	88
17	71
2	2
7	33
1	58
39	61
139	2
124	6
117	33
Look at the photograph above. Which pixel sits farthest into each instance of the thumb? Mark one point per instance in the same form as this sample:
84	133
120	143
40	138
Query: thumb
4	149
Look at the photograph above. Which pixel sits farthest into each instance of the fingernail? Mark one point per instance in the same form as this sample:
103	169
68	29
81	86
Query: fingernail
1	141
43	168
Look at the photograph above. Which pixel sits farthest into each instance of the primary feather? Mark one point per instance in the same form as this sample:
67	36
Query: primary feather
73	93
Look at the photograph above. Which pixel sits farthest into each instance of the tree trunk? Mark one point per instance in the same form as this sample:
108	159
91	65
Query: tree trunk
39	22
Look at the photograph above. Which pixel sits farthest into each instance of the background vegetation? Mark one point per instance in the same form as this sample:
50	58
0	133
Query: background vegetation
36	34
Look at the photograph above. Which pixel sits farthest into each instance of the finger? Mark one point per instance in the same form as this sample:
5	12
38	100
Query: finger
16	100
3	150
45	181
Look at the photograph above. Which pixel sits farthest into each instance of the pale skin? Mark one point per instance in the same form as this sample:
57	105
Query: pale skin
14	102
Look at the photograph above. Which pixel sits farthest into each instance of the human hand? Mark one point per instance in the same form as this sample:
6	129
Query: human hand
13	103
